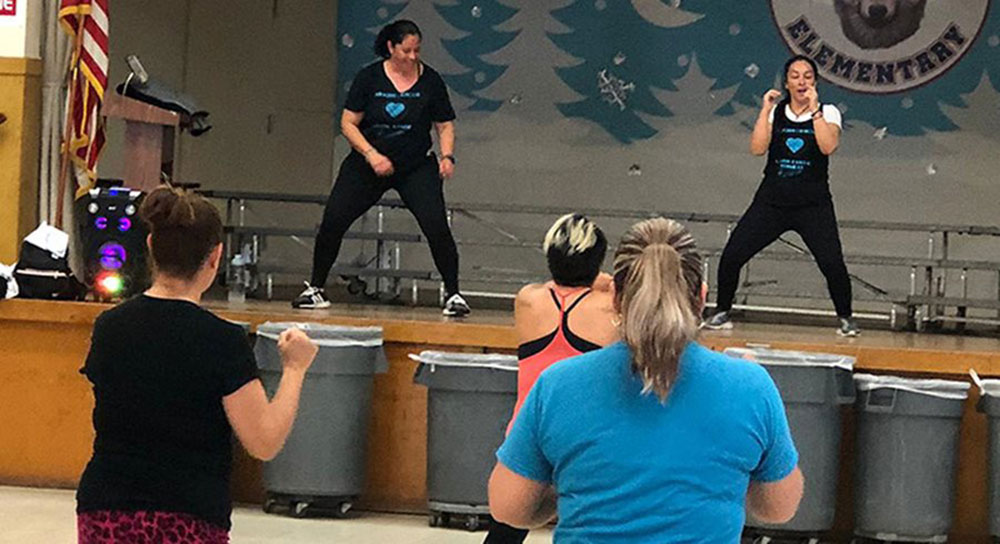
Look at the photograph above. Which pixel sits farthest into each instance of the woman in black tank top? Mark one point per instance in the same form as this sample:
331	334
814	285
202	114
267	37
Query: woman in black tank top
798	134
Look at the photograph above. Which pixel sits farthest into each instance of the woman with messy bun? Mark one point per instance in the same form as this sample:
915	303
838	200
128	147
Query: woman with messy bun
172	382
654	438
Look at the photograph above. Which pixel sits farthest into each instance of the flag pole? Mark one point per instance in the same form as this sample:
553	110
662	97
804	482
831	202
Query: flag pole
74	70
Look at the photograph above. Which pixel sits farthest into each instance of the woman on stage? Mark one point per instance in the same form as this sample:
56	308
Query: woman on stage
388	115
799	135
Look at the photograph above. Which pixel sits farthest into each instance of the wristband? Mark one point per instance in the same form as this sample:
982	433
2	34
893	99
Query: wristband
449	157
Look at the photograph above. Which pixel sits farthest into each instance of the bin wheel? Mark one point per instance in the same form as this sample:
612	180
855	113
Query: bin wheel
356	285
472	523
269	505
300	509
343	508
435	519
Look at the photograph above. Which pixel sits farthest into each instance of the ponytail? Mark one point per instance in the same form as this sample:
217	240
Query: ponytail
658	284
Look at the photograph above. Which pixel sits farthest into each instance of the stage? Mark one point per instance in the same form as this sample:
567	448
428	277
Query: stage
46	403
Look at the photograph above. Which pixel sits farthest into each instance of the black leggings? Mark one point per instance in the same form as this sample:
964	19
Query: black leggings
763	223
358	188
501	533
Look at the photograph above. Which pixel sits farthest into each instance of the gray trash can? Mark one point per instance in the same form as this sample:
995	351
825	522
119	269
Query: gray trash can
813	387
907	453
322	466
989	404
470	399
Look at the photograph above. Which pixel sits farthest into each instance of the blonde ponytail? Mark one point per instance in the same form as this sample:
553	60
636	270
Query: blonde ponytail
658	281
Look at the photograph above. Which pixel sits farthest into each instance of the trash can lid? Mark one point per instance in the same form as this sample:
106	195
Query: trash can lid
945	389
779	357
986	387
336	336
495	361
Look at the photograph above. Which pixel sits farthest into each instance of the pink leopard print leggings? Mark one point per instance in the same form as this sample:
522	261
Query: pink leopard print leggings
116	527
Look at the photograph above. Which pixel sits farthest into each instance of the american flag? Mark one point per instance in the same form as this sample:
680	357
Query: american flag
89	67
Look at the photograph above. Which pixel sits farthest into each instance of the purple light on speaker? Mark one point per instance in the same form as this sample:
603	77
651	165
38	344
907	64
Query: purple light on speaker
112	256
124	224
101	223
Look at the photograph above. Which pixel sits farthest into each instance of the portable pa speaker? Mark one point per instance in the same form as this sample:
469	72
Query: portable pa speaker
113	242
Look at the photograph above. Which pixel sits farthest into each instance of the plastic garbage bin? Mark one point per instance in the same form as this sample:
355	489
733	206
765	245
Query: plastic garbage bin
469	402
989	404
322	466
813	387
907	453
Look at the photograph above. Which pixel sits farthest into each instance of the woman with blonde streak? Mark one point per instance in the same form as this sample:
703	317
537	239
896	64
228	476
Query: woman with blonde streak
654	438
566	316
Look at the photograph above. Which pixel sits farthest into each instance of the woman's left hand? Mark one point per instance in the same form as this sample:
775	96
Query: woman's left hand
813	97
446	168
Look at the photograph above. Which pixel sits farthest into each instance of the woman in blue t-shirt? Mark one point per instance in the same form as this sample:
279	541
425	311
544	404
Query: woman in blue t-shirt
388	115
798	134
656	438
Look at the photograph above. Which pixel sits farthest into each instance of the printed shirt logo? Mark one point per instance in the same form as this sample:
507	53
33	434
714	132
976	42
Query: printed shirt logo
795	144
880	46
394	109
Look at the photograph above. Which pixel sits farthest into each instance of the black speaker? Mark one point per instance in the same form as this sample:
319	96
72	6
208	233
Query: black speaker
113	241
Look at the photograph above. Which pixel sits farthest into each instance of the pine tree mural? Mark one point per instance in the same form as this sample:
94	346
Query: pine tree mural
529	88
357	23
479	19
621	52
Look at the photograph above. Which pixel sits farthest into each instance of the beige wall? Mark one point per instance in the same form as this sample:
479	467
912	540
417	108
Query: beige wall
265	73
20	35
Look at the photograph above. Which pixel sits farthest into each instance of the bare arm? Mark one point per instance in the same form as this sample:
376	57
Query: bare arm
519	501
827	135
776	502
760	139
263	426
446	139
350	123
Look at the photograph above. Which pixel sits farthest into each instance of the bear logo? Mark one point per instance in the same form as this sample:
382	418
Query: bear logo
879	24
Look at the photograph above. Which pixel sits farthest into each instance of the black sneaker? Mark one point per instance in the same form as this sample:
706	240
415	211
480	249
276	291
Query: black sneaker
848	327
312	298
719	321
456	306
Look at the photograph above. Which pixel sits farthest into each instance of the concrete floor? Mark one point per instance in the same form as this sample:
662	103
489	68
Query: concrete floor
47	516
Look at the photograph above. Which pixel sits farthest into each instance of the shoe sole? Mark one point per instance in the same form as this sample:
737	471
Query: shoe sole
455	313
848	334
319	306
724	327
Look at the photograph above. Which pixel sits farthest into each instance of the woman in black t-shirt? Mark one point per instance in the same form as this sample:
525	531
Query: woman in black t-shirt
798	134
388	115
171	383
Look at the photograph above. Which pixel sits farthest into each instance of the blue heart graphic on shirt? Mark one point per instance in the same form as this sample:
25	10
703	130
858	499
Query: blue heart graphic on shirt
394	109
795	144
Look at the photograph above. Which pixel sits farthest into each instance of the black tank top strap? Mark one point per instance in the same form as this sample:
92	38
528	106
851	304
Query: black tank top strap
555	298
578	343
577	301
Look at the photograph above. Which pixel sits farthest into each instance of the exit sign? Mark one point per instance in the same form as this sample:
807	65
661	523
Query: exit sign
8	8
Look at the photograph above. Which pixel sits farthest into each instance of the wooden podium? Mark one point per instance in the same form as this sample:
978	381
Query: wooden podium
149	139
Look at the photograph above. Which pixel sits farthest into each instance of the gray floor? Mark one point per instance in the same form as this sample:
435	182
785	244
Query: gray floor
47	516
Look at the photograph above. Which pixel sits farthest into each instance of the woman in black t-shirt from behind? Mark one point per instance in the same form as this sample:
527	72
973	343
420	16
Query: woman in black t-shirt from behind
798	134
171	383
390	110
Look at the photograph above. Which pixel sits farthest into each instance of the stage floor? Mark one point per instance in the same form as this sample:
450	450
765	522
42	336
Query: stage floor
779	336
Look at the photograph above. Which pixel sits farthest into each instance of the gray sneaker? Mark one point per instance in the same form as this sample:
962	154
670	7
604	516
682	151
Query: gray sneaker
456	306
719	321
848	327
312	298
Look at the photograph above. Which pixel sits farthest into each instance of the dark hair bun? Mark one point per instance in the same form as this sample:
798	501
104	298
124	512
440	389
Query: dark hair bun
167	208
